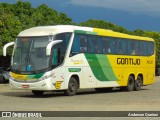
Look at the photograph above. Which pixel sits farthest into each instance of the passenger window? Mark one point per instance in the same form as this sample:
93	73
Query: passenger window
97	44
90	44
150	48
124	46
106	45
132	47
121	46
83	44
119	49
139	48
75	46
144	48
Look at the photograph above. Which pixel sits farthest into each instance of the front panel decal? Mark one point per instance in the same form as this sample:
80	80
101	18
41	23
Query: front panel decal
26	77
58	84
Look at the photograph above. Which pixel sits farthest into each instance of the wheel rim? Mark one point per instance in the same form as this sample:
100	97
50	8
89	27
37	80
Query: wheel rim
138	83
130	82
72	87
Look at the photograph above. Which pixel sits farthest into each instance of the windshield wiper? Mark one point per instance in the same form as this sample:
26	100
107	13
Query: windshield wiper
24	62
27	60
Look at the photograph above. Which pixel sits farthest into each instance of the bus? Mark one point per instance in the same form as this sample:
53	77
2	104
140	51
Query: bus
67	58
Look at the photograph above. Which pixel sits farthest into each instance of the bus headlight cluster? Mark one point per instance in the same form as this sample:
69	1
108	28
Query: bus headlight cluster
10	77
45	77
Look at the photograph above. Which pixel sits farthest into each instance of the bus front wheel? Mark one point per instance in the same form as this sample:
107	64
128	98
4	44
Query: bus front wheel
72	87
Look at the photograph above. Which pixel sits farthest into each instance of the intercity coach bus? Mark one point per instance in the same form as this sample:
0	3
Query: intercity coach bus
68	58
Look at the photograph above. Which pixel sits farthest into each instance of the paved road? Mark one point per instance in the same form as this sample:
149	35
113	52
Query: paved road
147	99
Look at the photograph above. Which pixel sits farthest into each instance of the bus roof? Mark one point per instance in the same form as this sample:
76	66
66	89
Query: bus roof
51	30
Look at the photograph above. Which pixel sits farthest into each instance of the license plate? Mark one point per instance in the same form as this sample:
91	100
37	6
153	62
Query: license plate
25	86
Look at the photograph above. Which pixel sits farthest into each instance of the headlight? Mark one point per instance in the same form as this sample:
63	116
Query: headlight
45	77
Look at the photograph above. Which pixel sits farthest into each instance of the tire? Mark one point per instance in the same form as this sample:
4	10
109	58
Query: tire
138	84
72	87
130	84
37	93
2	80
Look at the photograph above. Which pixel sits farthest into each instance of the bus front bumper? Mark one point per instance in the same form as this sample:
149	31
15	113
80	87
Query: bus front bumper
39	85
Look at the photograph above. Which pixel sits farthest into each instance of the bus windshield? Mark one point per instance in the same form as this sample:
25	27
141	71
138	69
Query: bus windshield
29	53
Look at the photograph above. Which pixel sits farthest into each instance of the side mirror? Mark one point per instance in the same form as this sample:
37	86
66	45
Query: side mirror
5	48
49	46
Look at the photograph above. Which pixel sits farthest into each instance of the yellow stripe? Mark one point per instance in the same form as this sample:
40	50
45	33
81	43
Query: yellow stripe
18	76
110	33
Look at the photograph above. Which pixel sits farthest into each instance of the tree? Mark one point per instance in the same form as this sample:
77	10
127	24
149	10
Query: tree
20	16
63	19
104	25
10	25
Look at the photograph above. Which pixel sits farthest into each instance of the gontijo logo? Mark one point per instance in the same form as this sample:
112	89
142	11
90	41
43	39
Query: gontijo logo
128	61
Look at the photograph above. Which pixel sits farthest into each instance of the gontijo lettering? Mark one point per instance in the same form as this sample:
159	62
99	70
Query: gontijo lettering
128	61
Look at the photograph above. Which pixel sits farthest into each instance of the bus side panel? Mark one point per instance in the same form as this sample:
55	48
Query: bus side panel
151	69
124	66
102	70
77	65
97	70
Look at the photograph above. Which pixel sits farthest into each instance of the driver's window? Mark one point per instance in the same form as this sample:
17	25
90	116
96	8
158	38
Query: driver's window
55	57
57	54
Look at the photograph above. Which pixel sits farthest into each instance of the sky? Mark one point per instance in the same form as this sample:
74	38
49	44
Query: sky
130	14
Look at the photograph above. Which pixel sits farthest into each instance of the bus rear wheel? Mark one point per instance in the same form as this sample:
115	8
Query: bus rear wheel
138	84
37	92
130	84
72	87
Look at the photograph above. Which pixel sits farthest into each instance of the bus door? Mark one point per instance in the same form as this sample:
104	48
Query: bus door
59	73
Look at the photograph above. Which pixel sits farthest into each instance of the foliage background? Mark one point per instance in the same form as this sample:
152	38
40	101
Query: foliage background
19	16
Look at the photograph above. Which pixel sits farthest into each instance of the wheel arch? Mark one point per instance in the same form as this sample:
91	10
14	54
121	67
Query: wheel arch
132	75
77	79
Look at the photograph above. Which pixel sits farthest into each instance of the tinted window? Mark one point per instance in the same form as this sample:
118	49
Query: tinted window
107	45
132	47
94	44
150	48
144	48
124	46
83	43
75	46
59	50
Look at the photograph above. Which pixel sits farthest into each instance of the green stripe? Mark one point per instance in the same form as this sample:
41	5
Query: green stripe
35	76
106	67
101	67
85	32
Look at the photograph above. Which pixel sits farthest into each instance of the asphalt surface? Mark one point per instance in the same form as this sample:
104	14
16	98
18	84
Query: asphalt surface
147	99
